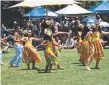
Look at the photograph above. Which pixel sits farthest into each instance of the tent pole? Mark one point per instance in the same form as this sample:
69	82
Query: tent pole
46	12
29	17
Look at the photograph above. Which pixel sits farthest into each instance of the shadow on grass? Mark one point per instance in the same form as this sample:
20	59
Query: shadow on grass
81	65
33	69
43	72
85	69
25	69
76	63
13	67
54	69
95	68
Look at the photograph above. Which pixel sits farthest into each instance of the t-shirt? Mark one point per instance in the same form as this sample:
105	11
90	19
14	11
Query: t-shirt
70	42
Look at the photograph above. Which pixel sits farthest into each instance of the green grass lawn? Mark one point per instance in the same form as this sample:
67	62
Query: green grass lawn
73	74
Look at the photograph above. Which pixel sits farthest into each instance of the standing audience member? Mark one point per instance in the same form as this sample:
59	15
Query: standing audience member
3	30
29	25
56	26
1	50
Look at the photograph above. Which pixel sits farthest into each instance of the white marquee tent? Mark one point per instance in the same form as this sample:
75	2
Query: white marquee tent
34	3
73	10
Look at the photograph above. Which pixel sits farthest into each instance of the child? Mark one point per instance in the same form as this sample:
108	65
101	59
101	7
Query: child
50	57
6	47
99	52
56	50
30	53
87	50
79	39
3	43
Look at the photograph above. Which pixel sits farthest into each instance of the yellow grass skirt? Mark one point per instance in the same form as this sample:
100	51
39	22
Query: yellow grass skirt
31	54
99	52
86	50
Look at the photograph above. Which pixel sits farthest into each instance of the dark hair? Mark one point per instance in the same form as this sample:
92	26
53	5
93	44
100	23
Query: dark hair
50	39
47	37
85	30
25	35
95	29
80	28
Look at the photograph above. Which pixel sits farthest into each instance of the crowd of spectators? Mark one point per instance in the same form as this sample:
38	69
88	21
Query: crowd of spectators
67	25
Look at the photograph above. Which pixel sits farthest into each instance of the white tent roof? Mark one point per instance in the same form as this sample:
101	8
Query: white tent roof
104	24
34	3
73	10
51	14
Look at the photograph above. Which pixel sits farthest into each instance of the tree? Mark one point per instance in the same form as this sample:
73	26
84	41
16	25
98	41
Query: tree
12	13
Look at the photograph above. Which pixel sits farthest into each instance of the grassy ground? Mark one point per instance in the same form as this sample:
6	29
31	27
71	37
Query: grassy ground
73	74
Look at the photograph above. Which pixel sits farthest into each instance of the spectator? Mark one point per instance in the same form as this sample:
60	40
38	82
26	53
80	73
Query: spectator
10	39
15	26
5	47
3	30
66	26
64	38
70	43
43	26
98	19
73	26
39	29
29	25
35	30
58	40
56	26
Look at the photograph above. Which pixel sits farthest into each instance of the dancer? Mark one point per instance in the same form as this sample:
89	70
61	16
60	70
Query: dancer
99	52
18	48
92	47
79	40
56	51
50	57
6	47
30	53
1	44
87	50
49	43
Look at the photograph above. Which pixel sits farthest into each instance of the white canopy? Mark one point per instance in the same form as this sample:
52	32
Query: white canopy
51	14
104	24
34	3
73	10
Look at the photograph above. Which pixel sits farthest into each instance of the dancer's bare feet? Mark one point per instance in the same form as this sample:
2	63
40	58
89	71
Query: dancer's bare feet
87	68
61	68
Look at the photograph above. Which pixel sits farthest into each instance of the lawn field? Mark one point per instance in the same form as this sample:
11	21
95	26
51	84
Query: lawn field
73	74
